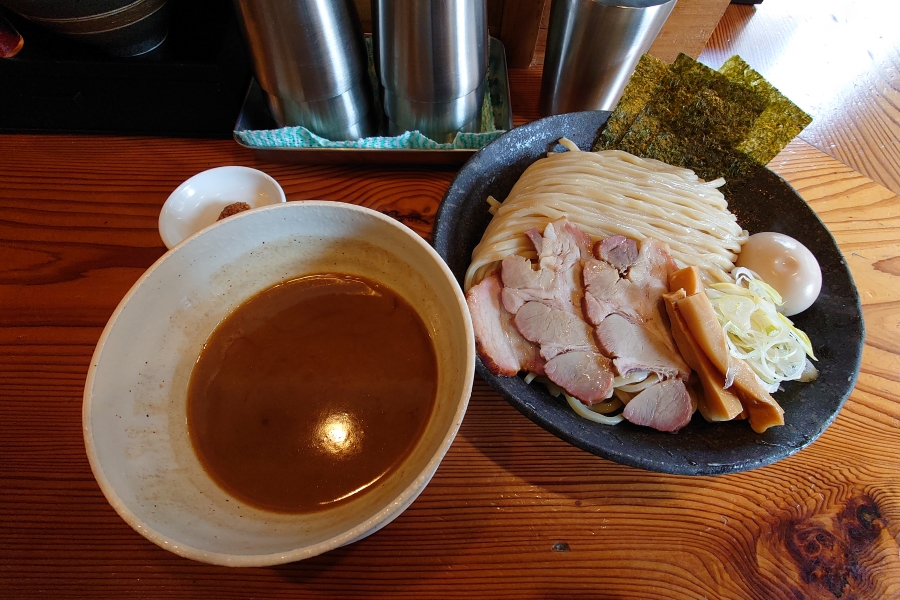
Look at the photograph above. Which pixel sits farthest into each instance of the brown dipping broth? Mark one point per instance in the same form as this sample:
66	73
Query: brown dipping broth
311	392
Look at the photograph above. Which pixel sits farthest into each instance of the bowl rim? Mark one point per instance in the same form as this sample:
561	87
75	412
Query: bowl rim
370	525
164	212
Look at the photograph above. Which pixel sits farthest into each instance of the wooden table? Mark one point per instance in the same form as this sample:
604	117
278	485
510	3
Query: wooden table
512	511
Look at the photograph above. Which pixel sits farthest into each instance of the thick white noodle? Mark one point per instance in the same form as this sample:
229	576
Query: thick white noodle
583	411
612	192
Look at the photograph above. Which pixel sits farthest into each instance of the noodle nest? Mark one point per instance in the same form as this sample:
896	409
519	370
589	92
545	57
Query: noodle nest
612	192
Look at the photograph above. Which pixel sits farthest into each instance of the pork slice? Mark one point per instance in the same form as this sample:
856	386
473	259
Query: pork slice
605	293
502	348
595	310
563	243
635	347
665	406
536	239
654	261
661	330
618	250
600	278
651	274
555	331
581	239
556	278
523	283
585	375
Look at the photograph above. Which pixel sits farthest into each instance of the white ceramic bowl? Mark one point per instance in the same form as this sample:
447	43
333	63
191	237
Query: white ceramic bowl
134	412
199	201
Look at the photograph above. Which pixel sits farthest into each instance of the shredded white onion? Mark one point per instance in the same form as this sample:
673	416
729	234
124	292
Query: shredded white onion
757	333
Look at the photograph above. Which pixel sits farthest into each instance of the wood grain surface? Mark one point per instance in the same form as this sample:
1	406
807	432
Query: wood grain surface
512	512
839	61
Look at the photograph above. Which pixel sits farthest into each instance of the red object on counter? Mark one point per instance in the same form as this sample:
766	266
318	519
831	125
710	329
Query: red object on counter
10	40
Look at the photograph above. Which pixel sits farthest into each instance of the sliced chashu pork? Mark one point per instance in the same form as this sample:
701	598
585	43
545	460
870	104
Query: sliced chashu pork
567	344
586	375
556	278
617	250
555	331
546	300
650	272
628	313
636	347
665	406
606	293
638	295
624	285
502	348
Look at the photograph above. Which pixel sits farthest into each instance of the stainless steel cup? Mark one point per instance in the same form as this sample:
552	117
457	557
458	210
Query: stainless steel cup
310	57
321	116
439	121
431	57
430	50
593	47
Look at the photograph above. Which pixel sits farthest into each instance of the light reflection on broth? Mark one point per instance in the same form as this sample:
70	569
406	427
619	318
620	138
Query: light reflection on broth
311	392
339	434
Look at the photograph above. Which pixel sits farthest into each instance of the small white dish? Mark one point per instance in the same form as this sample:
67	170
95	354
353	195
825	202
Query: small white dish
199	201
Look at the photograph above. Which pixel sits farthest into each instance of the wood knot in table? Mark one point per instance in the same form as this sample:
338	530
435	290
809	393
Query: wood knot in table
830	555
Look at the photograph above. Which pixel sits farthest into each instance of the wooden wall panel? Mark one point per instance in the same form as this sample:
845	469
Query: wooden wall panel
519	30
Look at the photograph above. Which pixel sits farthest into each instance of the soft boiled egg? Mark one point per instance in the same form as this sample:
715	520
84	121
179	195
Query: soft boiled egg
786	265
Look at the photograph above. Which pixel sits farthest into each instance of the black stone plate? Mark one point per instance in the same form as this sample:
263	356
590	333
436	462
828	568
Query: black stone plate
765	203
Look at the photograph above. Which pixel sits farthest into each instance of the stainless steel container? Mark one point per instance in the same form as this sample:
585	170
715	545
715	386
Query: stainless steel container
593	47
431	57
438	120
430	50
310	57
322	116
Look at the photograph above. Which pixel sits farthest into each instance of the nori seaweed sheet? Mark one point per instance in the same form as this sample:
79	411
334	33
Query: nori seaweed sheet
722	123
695	119
780	121
646	77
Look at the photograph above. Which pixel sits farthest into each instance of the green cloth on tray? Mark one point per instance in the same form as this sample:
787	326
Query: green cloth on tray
301	137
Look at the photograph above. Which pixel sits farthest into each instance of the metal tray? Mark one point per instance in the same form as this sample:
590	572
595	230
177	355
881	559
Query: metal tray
255	115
